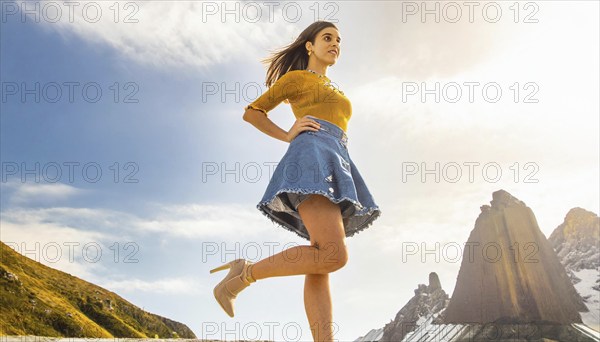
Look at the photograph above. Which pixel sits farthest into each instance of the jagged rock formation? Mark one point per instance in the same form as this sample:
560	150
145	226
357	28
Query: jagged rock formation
577	244
38	300
372	335
577	240
515	296
510	273
428	299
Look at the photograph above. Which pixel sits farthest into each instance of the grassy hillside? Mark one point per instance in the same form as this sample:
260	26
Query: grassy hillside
38	300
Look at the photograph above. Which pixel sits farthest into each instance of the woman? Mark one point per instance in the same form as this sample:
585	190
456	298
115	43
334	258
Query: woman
316	190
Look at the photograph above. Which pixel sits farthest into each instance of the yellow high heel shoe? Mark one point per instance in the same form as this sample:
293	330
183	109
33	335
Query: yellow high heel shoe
238	278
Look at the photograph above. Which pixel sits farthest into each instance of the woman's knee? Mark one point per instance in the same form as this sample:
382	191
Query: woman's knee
333	255
323	220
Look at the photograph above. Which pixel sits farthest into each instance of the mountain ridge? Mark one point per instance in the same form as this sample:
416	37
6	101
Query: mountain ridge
43	301
572	249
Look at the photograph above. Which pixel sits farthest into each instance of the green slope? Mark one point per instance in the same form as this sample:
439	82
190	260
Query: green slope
38	300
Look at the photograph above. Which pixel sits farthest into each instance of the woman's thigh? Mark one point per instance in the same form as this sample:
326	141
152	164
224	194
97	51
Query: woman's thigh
323	220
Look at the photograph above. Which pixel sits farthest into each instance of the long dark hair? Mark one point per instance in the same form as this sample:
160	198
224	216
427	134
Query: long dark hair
293	56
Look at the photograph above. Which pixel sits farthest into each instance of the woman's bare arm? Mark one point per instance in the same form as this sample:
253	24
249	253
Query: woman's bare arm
259	120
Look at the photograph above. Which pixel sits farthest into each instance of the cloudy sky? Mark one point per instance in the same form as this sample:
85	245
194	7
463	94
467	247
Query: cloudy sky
123	143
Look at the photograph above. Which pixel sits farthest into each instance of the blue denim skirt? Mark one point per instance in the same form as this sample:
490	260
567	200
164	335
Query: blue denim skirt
318	163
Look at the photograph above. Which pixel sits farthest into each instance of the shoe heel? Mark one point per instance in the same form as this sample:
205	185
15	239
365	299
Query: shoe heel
238	278
220	268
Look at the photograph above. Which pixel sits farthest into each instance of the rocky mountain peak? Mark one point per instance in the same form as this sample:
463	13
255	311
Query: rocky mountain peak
502	199
579	224
428	299
576	242
511	273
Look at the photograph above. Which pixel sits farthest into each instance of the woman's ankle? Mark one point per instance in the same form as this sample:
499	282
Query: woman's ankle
249	275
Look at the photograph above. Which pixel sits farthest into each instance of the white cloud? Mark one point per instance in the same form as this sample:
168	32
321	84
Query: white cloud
180	285
22	193
167	34
177	221
54	244
203	34
75	251
205	220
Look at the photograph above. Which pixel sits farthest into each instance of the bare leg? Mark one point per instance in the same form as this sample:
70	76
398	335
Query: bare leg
318	306
326	254
296	260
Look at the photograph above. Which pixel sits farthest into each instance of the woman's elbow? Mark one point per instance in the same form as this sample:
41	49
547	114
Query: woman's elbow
245	116
250	115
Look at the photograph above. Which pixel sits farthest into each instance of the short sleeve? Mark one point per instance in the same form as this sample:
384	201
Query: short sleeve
286	87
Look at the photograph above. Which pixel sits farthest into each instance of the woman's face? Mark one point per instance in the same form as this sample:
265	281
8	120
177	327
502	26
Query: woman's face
327	46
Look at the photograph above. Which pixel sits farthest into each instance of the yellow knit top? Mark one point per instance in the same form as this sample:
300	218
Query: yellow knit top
308	94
